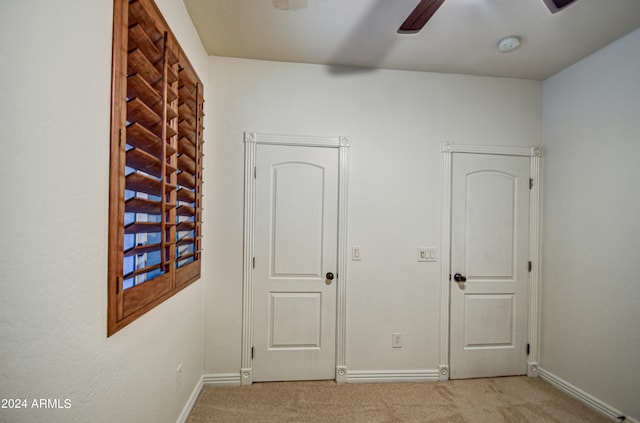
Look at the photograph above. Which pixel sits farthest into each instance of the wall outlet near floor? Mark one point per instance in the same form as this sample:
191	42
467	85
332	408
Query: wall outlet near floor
396	340
179	376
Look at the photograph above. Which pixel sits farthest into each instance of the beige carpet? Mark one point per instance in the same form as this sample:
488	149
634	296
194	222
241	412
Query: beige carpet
512	399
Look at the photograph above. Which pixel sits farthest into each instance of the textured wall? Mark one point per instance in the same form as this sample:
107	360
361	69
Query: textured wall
591	287
54	130
396	122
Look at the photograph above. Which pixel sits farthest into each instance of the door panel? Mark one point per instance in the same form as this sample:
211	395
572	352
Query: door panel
296	226
489	246
297	214
489	321
303	332
490	213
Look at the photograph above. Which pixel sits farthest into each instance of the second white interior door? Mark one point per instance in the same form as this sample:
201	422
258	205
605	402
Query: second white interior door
489	259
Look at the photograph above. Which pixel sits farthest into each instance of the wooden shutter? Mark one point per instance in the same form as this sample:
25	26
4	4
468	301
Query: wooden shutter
156	165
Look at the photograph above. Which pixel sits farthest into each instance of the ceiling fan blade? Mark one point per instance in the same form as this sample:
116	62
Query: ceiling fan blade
557	5
420	15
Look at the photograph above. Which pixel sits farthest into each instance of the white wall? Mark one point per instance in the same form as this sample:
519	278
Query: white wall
54	129
397	122
591	282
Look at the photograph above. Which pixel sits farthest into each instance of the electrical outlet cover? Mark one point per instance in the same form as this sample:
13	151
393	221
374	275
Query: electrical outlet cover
396	340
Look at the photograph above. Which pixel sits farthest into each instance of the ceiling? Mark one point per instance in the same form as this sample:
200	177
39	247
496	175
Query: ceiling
461	37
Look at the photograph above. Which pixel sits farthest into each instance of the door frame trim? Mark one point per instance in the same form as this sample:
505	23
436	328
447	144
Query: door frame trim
251	140
535	155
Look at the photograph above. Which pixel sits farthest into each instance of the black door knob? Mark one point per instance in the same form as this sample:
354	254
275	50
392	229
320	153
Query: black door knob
459	278
330	276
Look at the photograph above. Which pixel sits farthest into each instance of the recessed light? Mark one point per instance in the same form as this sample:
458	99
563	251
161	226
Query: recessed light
508	44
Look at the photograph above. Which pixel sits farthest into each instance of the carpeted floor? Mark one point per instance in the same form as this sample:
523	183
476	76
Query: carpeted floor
511	399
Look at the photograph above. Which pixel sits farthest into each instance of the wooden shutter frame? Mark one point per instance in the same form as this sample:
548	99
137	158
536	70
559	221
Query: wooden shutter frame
125	306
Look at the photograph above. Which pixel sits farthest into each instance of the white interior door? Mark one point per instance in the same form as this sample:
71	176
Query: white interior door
489	259
296	227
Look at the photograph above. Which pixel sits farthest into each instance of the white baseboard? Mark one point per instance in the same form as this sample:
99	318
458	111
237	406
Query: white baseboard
221	379
366	376
587	399
186	410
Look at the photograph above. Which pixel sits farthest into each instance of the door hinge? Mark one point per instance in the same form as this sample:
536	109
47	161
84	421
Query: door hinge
530	183
449	277
254	172
528	348
530	266
253	263
252	353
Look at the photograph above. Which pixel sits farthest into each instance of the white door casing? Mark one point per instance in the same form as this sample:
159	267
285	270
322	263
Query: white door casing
295	219
484	330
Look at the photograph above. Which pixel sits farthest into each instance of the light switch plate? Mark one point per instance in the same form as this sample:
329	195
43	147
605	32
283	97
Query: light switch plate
427	254
356	253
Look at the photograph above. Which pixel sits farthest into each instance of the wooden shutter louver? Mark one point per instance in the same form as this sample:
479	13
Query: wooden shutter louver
156	165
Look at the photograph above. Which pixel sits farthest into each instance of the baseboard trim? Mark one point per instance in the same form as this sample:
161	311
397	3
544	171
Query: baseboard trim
585	398
370	376
186	410
221	379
